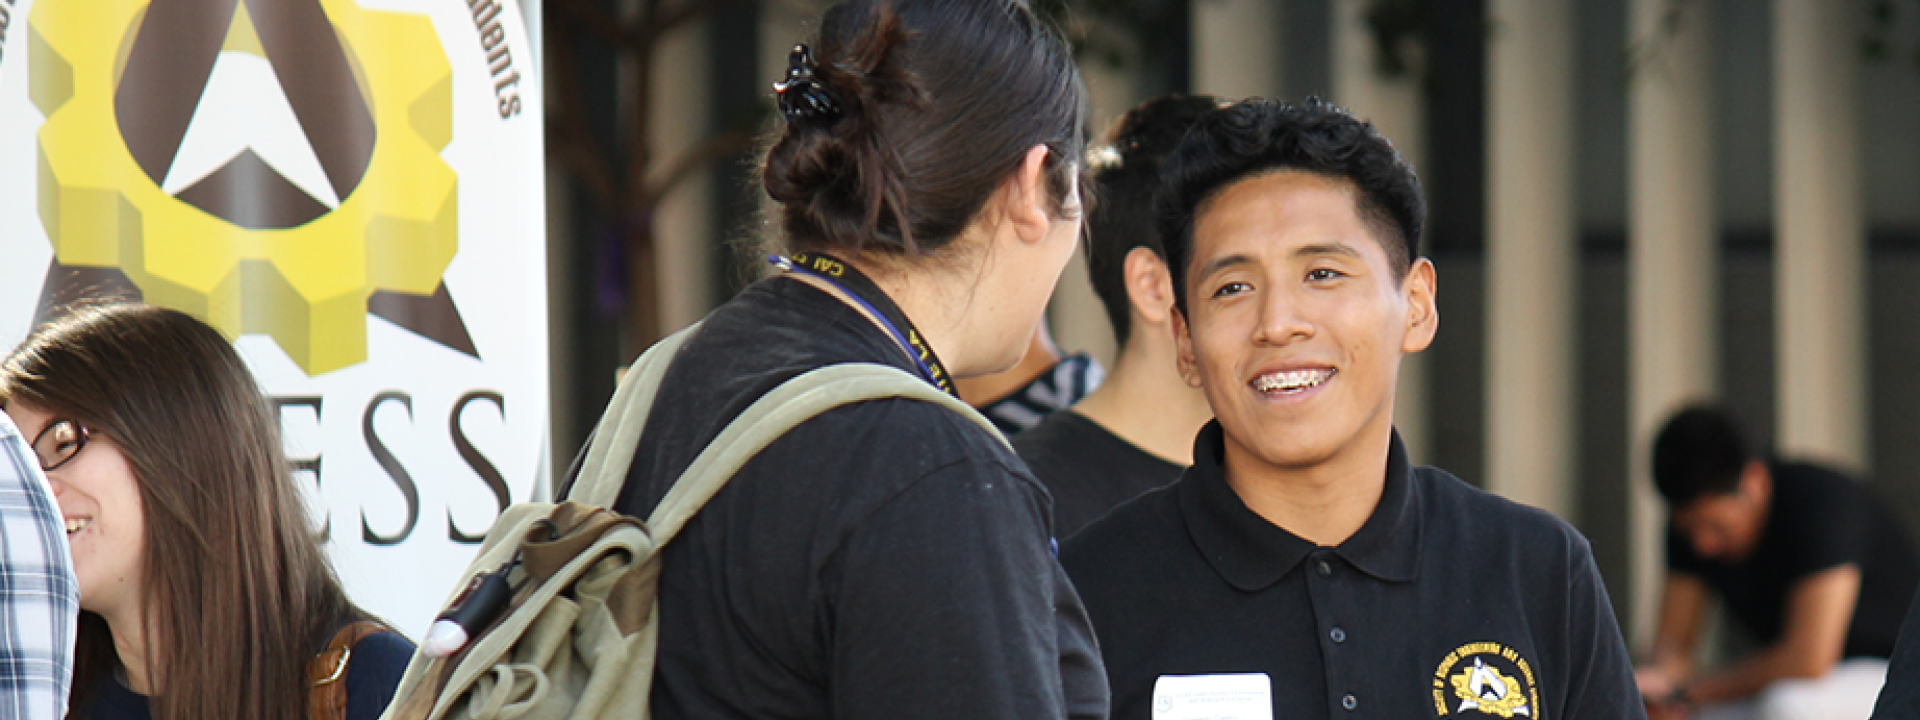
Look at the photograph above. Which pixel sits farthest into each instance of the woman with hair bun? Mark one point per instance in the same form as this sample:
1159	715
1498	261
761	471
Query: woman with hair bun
887	559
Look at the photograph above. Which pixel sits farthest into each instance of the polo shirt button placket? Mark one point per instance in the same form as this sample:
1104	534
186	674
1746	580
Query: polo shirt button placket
1349	702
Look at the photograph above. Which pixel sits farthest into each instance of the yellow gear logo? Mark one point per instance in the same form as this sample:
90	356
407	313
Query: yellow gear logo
242	247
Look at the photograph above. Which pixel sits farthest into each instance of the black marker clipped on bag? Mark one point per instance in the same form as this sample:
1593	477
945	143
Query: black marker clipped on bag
476	608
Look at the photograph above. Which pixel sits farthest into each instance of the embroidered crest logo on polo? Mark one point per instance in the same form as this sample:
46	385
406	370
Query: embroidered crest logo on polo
1487	678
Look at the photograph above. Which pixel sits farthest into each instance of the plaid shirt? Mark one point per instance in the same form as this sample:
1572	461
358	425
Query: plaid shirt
39	600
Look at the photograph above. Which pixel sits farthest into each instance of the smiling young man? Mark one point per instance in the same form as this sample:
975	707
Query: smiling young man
1301	568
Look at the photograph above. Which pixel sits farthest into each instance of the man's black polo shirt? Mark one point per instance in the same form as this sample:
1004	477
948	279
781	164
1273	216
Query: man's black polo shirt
1448	602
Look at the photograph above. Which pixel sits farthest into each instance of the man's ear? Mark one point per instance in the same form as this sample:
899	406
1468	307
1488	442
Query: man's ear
1188	364
1423	314
1027	205
1756	481
1149	286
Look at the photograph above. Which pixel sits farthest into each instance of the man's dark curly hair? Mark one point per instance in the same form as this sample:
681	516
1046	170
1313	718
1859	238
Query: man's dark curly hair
1260	136
1699	452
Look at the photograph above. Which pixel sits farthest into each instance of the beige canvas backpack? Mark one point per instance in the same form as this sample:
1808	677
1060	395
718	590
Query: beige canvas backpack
577	639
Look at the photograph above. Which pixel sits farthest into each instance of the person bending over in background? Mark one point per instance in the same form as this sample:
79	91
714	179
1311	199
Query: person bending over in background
1805	560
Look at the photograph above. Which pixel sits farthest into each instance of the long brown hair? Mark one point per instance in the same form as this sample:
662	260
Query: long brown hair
240	596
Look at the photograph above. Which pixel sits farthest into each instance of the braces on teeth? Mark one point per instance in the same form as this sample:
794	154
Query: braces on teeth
1293	380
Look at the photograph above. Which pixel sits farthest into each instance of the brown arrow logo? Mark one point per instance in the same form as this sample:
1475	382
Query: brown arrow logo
167	71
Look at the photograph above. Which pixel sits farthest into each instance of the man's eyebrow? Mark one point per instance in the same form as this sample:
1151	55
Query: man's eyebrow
1328	248
1223	262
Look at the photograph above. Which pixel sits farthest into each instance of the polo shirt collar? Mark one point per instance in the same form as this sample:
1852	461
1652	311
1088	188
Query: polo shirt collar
1251	553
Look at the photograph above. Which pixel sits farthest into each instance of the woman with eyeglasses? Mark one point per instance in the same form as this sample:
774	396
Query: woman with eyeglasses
204	591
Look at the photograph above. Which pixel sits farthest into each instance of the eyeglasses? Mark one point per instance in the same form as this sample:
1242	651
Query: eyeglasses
59	441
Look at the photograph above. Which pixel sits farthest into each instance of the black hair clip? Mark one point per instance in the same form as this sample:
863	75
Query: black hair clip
802	95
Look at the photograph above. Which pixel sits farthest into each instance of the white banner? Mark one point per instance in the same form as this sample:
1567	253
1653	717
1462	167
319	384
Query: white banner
351	188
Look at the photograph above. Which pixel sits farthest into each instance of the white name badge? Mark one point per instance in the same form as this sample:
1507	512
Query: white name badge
1237	696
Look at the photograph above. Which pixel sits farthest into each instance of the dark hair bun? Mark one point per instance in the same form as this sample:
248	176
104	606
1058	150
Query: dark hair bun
938	101
826	163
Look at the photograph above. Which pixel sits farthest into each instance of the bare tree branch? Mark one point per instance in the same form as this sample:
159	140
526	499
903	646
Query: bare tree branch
667	17
717	147
575	145
587	162
593	20
627	176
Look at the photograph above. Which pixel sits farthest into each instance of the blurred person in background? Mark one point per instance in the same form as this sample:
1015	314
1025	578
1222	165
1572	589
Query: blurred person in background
39	601
1807	561
1135	431
1044	382
204	588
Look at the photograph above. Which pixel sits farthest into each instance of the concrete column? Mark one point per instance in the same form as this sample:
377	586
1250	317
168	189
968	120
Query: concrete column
1819	243
1397	107
1531	248
1673	287
1075	318
1236	48
683	228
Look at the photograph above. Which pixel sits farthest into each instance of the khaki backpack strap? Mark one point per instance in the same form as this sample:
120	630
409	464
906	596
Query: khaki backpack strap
604	471
780	410
328	670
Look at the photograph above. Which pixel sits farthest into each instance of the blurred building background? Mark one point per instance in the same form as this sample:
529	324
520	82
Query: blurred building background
1635	203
